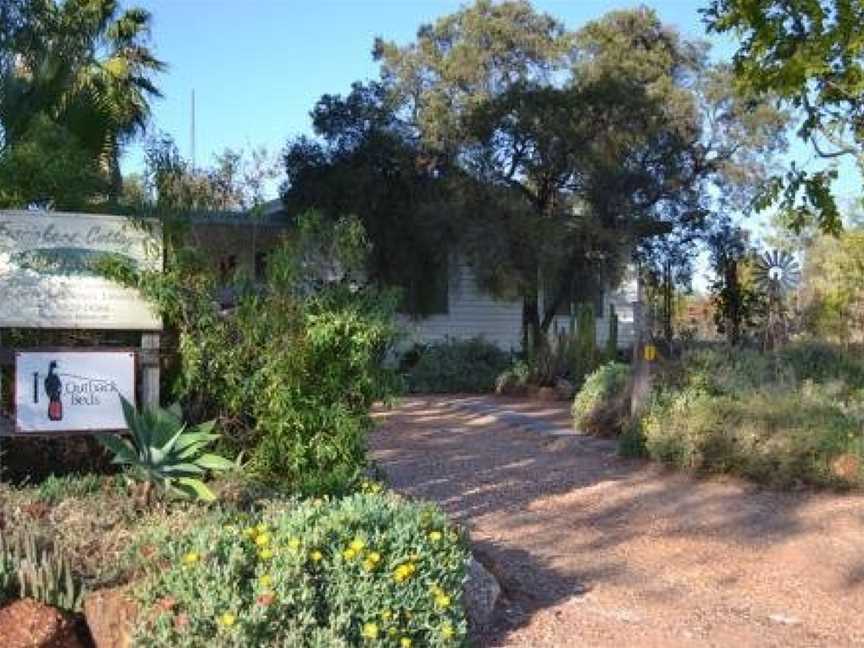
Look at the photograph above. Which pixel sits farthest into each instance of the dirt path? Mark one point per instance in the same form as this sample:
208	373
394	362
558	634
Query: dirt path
596	550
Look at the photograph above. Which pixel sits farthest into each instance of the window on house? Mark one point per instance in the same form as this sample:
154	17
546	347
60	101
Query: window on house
428	293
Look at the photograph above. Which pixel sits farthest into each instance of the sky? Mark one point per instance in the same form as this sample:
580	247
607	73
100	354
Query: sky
258	66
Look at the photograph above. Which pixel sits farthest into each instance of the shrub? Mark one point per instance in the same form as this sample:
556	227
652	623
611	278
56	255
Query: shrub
314	573
291	371
458	366
783	418
598	407
514	380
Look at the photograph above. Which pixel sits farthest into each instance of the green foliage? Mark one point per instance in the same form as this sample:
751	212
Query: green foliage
809	54
43	575
734	294
782	418
586	341
834	287
612	335
367	568
457	366
82	67
166	453
600	398
514	380
291	371
53	490
47	165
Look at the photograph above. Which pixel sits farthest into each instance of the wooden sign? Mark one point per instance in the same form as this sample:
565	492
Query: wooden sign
48	277
72	391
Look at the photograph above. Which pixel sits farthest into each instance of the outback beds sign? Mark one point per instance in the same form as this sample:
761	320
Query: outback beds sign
72	391
47	275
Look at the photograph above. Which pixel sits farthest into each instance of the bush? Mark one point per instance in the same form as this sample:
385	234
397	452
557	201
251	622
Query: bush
599	405
290	372
783	418
315	573
458	366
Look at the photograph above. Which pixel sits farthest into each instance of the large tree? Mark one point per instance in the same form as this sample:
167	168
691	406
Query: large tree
543	153
810	54
581	143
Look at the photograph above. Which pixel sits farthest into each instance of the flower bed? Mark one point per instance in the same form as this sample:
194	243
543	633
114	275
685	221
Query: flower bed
370	568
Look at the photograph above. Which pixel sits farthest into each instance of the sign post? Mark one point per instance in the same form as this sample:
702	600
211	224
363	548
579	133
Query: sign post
49	278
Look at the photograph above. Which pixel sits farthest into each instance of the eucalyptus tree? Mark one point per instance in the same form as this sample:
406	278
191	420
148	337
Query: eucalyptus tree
581	144
537	150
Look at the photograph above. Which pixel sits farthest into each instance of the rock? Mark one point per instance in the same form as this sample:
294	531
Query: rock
564	389
783	619
481	594
26	623
110	617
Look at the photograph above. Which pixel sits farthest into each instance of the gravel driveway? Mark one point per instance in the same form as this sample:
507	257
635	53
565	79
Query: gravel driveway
596	550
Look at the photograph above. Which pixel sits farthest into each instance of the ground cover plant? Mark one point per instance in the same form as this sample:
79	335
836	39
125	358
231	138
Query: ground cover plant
793	416
368	568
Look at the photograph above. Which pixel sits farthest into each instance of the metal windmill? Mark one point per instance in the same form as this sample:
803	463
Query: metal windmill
777	273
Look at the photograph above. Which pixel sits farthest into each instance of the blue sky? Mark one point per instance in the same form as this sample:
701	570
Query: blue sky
258	66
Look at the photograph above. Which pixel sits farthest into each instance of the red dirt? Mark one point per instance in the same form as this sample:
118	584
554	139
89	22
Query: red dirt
596	550
28	624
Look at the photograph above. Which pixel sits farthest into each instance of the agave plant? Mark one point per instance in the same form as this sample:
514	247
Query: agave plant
164	452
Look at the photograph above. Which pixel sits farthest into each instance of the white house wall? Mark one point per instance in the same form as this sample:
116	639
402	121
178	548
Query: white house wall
471	313
475	313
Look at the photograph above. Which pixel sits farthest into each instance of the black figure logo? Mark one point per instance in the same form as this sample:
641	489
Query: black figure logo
53	387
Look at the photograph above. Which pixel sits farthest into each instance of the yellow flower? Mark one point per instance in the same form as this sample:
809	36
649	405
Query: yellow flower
436	589
404	571
435	536
405	642
263	539
357	545
349	553
369	631
294	543
227	619
374	557
191	558
315	555
265	554
265	580
442	601
447	631
261	528
387	615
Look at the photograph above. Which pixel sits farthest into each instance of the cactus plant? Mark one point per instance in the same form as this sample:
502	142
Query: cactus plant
45	576
165	452
612	337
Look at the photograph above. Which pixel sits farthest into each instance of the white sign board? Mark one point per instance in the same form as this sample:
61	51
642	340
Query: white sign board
72	391
47	275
